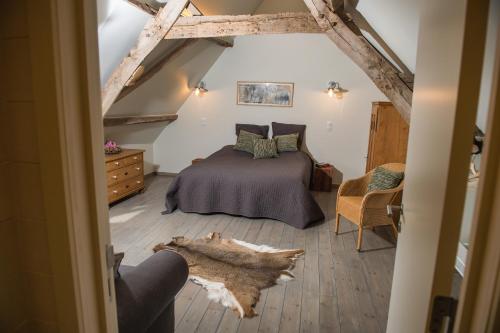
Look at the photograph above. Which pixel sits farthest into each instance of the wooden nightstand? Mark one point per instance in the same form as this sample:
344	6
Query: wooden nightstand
125	173
322	178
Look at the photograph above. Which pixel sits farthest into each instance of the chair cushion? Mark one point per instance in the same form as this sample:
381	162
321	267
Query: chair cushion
384	179
350	207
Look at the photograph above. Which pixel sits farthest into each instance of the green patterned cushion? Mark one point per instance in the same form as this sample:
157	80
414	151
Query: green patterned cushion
245	141
287	142
263	148
383	179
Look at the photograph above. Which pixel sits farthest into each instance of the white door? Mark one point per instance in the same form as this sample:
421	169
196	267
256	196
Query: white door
449	63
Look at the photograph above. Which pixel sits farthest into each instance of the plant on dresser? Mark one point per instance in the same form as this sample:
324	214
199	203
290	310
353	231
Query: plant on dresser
125	173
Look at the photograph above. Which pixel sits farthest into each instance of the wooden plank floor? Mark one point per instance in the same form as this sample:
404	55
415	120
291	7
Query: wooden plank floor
336	289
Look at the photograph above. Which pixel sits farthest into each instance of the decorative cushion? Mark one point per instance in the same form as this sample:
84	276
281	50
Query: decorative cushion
384	179
283	129
245	141
255	129
287	142
264	148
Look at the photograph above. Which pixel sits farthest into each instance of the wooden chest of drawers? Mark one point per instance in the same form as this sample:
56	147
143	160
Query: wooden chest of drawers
125	173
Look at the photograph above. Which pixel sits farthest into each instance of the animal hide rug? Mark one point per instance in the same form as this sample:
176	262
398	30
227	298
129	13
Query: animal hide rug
232	271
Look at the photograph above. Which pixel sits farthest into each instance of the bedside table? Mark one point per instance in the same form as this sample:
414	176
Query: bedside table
322	178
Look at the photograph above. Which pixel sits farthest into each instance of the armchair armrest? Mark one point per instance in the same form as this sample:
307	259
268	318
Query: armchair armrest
355	187
380	198
144	292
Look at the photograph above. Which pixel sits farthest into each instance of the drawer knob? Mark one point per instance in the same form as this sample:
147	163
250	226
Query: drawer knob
137	168
115	192
115	177
117	163
138	182
135	157
126	173
127	186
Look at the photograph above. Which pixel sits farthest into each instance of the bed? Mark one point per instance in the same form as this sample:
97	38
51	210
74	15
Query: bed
232	182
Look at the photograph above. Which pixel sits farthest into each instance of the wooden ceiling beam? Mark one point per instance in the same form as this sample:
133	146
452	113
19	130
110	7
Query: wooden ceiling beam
240	25
380	70
135	120
191	10
152	34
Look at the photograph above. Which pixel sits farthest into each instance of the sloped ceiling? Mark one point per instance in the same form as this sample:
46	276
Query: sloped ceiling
394	20
169	88
227	7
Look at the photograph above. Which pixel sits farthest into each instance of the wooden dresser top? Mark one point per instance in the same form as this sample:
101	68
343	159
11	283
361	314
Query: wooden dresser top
124	153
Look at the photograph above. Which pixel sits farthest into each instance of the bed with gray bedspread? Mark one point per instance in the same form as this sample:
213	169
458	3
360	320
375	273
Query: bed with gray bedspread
232	182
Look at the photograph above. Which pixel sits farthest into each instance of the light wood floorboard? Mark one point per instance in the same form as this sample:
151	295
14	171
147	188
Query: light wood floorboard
336	288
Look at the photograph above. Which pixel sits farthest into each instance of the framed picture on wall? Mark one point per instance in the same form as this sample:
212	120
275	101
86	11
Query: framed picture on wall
265	93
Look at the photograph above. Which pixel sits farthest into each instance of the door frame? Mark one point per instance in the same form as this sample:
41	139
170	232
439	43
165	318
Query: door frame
80	136
479	300
447	84
66	84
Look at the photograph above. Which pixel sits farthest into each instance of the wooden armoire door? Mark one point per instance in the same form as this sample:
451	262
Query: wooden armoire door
388	136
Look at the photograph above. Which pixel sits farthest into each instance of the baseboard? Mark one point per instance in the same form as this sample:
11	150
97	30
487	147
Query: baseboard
149	175
169	174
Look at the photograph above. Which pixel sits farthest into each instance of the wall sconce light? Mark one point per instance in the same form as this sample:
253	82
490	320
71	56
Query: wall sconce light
200	88
334	89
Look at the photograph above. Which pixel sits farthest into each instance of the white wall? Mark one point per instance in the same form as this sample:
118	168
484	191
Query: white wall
489	60
118	34
396	21
103	10
205	124
168	89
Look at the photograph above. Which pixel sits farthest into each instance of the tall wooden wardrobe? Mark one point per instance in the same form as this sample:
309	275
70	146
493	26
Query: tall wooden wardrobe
388	136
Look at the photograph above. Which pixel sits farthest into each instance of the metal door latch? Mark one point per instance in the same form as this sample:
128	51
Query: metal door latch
443	307
110	256
390	213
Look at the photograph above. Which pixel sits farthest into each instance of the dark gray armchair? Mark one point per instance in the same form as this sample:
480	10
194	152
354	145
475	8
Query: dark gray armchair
145	294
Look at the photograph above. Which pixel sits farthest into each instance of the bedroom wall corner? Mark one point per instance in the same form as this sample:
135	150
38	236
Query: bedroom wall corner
337	130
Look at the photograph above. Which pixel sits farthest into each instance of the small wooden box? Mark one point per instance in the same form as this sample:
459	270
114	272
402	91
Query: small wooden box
322	178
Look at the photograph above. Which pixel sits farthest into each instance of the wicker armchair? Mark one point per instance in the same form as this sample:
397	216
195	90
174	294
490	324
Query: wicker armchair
367	209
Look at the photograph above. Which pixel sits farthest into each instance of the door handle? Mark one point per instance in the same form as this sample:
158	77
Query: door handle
390	213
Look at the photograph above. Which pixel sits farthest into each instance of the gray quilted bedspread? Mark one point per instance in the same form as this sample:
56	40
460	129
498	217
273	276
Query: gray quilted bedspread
232	182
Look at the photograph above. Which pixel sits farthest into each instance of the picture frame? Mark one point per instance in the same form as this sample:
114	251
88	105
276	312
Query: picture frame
262	93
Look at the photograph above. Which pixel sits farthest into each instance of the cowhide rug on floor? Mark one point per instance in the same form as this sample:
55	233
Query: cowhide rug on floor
232	271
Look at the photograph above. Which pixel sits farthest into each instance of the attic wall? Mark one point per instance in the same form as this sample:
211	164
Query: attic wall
489	62
227	7
278	6
206	123
167	90
103	10
396	21
163	93
118	34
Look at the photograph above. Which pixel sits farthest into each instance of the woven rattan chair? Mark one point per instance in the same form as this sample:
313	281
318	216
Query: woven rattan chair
367	210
